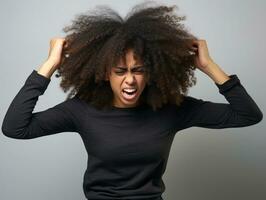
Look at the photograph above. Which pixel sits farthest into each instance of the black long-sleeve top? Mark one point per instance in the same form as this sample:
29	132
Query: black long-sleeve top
127	148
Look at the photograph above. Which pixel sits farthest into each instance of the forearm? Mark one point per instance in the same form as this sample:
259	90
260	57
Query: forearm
216	73
47	69
241	110
18	118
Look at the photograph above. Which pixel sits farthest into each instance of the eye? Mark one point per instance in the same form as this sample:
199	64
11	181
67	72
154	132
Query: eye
120	72
140	70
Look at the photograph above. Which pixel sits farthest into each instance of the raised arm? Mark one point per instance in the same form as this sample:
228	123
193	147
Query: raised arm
241	110
19	121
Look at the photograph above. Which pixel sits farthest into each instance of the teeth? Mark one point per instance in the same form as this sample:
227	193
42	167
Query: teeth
129	90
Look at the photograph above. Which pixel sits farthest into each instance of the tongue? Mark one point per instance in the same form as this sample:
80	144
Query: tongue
129	93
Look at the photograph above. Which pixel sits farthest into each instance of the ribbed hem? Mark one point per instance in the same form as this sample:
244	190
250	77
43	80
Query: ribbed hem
227	85
39	79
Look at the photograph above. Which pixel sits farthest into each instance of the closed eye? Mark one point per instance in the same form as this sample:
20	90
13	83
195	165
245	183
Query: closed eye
140	69
134	70
120	72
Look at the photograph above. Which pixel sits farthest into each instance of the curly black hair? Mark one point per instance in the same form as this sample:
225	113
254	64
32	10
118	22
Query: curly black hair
96	40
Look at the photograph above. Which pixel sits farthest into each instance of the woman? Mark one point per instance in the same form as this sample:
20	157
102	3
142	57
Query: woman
130	80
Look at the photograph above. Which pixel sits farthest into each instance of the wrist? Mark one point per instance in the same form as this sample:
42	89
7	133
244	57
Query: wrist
216	73
47	68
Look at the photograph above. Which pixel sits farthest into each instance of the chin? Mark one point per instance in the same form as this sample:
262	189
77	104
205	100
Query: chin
129	103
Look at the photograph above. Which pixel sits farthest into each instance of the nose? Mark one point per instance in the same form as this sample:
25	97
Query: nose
130	79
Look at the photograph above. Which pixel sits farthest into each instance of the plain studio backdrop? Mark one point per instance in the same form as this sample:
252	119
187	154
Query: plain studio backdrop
204	164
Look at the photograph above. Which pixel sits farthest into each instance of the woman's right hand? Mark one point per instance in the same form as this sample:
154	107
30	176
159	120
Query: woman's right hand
55	51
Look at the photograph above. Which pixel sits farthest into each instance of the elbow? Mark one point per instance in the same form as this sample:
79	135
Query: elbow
257	117
12	134
5	132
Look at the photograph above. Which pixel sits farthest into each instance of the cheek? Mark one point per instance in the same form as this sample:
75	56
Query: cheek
115	83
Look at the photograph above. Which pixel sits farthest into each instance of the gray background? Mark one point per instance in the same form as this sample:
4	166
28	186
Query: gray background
203	164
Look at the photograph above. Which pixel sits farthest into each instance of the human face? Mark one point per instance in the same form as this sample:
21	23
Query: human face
131	76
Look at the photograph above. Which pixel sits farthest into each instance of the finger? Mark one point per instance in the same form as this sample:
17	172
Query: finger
193	48
195	41
65	45
195	44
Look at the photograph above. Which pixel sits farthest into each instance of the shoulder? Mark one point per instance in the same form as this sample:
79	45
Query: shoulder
190	100
72	106
188	103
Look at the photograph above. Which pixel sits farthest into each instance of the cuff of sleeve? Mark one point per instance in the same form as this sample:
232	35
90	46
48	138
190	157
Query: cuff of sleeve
39	79
227	85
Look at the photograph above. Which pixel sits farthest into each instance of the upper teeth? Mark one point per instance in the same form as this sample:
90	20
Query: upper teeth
130	90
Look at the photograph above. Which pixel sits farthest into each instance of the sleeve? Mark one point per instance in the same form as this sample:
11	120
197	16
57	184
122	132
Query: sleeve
19	121
240	111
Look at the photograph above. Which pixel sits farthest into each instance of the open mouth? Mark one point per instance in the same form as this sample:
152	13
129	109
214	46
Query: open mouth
129	94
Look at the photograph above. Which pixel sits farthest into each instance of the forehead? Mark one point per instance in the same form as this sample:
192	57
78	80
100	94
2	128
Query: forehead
129	59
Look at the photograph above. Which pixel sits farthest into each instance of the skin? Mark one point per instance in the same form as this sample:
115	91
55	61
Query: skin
127	75
54	57
203	62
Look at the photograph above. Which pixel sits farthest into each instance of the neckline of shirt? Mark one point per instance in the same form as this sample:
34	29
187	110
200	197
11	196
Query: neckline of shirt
118	109
135	108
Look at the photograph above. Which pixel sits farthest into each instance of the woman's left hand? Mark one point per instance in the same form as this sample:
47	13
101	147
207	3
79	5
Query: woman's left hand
202	59
204	62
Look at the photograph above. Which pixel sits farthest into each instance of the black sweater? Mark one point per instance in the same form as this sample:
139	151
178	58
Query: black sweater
127	148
